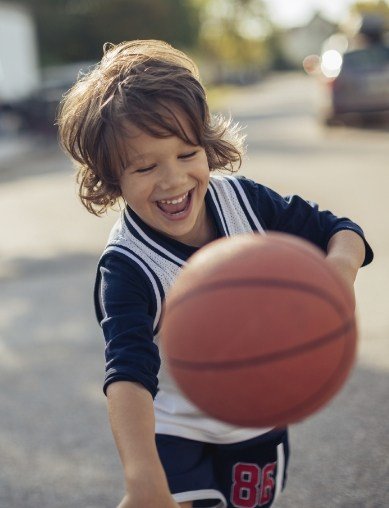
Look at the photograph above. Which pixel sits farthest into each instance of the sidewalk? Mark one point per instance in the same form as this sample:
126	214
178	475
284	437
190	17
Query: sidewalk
14	146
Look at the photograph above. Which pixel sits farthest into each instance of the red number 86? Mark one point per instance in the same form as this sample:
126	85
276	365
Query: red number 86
250	488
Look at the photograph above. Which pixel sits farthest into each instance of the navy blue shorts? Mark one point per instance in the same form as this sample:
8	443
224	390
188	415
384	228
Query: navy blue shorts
248	474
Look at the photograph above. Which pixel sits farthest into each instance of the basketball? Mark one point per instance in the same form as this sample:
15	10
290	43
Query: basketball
259	330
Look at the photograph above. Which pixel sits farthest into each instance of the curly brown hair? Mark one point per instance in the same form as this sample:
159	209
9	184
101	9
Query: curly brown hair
142	82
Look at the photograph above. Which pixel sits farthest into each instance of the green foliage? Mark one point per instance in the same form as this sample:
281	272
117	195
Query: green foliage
380	7
226	34
75	30
234	36
368	15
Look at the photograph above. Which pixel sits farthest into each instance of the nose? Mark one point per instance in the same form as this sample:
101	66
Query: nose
173	177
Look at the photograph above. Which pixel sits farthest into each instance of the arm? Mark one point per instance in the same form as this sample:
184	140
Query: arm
346	253
131	413
132	363
296	216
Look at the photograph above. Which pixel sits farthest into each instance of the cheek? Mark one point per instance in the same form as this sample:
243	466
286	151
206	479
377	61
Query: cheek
128	191
204	164
123	189
205	158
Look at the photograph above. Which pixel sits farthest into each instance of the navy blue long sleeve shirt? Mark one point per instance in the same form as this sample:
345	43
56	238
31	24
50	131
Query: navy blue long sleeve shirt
125	304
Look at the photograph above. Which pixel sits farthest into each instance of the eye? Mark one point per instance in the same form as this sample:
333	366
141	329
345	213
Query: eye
187	155
145	170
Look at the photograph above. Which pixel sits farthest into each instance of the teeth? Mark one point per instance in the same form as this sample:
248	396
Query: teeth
174	201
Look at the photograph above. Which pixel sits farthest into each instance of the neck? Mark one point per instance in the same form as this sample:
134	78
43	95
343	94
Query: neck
208	231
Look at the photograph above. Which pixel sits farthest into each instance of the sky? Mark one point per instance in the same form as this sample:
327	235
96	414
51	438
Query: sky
288	13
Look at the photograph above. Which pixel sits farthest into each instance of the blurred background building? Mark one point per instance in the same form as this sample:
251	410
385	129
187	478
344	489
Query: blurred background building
298	42
19	61
44	44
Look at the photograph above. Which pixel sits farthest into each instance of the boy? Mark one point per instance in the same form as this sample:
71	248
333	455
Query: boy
139	128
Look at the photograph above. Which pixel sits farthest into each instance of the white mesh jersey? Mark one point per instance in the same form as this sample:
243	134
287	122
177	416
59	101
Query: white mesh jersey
144	264
174	414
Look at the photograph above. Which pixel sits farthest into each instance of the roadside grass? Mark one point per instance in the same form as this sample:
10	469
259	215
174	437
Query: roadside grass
219	95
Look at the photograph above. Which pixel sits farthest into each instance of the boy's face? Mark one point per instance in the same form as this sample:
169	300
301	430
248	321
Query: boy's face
165	184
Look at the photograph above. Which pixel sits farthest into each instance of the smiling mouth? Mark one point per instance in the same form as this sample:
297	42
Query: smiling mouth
176	206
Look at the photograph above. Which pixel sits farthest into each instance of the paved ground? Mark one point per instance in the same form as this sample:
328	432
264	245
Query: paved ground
55	444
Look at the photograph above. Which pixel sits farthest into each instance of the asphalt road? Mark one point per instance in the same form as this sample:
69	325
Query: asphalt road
56	449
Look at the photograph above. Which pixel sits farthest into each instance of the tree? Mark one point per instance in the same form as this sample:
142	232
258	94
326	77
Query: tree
74	30
234	33
377	10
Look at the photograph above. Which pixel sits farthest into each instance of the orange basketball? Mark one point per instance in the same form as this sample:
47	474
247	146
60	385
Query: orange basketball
259	330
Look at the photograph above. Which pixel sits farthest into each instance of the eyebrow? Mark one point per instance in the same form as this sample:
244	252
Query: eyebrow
136	160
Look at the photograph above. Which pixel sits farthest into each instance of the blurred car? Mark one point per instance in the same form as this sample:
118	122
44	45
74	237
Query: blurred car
38	111
354	85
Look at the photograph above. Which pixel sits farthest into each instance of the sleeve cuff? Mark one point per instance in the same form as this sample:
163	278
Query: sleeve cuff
369	254
150	386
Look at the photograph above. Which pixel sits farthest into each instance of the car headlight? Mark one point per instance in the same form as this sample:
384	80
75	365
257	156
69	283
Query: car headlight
331	63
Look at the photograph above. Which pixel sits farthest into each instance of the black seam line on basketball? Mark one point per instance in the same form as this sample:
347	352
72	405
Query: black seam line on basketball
316	261
253	282
272	357
323	389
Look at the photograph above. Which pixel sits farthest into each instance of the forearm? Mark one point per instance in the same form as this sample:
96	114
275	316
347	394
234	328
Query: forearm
131	414
346	251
